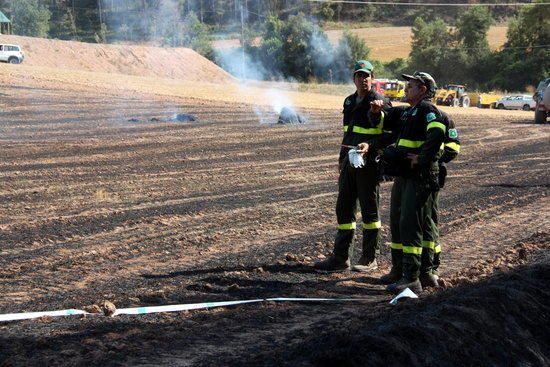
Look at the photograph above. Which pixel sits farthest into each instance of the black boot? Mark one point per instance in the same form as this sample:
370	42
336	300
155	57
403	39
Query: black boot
393	276
429	280
404	283
367	262
365	265
339	260
332	263
396	271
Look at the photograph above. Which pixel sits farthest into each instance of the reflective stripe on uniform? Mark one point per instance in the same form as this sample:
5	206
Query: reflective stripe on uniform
369	131
347	226
412	250
372	225
453	146
396	246
410	143
428	244
345	128
437	249
438	125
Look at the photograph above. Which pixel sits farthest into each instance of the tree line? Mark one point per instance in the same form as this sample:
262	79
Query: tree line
299	49
452	45
142	20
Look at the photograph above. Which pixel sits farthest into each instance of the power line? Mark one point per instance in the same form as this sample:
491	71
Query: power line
419	4
518	47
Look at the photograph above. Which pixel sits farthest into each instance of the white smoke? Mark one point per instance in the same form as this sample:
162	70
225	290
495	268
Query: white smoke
248	69
166	27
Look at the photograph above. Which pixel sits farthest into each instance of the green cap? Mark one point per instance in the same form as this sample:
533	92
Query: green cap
364	66
423	78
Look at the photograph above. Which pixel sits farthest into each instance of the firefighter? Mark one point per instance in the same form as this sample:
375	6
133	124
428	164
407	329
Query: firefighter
361	183
415	159
431	248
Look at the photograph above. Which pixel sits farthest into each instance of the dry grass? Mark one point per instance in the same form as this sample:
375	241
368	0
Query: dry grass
224	91
386	43
256	93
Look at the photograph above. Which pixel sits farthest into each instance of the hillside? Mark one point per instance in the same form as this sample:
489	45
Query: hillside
175	63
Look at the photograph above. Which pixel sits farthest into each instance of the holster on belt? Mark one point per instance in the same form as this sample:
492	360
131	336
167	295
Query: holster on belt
430	177
394	163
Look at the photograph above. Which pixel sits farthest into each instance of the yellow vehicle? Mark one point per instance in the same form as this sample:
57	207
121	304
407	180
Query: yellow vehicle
484	100
453	95
394	90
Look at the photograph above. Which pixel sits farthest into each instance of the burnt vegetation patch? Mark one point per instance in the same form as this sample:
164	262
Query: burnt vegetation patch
501	321
290	116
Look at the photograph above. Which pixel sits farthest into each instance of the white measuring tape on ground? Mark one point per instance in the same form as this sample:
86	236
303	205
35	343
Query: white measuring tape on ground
167	308
35	315
186	307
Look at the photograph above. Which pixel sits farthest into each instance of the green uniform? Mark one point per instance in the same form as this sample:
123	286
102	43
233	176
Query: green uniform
359	184
422	132
431	249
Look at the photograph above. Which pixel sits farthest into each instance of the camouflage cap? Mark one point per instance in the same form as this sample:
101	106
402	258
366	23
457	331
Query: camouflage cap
364	66
424	78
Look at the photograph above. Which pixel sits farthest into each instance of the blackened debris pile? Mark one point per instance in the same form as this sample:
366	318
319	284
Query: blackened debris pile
289	116
177	117
183	117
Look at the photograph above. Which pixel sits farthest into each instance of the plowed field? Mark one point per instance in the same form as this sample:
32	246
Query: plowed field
94	207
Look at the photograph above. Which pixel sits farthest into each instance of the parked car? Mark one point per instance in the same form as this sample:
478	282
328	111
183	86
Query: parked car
519	102
11	54
542	97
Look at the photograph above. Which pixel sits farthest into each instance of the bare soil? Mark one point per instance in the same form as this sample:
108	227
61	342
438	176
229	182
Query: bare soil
96	207
139	60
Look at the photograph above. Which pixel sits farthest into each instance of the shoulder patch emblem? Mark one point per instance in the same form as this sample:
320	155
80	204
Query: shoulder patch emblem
453	134
430	117
348	102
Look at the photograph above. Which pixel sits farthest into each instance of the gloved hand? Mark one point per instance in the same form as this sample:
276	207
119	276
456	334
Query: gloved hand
356	158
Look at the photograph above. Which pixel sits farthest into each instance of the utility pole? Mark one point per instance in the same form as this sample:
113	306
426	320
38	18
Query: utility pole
101	28
99	8
242	42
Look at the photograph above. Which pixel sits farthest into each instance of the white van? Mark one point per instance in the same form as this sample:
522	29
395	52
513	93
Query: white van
11	54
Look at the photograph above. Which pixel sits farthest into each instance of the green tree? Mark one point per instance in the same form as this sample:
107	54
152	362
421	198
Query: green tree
297	60
395	68
195	35
62	25
295	49
472	51
472	27
350	49
432	49
270	51
29	18
325	12
525	60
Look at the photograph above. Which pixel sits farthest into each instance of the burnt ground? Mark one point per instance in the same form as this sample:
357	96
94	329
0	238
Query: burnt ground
94	206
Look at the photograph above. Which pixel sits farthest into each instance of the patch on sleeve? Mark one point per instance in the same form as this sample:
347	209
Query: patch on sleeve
348	102
430	117
453	134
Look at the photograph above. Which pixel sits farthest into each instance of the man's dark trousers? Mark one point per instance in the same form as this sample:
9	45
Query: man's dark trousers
358	185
